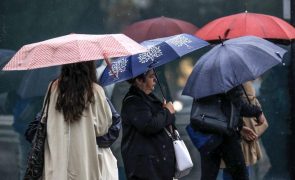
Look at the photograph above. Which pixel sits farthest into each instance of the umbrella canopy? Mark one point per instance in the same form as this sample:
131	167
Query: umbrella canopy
243	24
5	56
157	28
9	81
230	64
71	49
22	82
37	78
160	51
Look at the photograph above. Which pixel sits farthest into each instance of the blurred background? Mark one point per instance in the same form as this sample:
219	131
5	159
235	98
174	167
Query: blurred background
23	22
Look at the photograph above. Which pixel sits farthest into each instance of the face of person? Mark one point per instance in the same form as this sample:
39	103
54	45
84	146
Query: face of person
148	85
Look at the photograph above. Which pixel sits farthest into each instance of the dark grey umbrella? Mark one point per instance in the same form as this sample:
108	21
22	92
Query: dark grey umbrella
230	64
9	81
35	82
5	56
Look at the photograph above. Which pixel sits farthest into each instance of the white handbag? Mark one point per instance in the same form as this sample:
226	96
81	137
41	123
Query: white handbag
108	164
184	163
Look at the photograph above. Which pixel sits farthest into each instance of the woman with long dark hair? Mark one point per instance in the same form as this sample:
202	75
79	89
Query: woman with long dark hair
78	113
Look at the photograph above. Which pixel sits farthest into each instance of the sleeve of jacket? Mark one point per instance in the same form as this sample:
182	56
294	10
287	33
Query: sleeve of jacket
138	114
246	109
102	114
108	139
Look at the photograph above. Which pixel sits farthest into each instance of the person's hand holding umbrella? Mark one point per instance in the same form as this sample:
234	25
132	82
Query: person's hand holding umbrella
169	106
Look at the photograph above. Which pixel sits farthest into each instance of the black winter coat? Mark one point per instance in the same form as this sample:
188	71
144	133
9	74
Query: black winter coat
242	107
147	150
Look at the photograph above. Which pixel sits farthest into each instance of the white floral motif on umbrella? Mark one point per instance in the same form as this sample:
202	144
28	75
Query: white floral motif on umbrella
180	41
160	51
153	52
118	67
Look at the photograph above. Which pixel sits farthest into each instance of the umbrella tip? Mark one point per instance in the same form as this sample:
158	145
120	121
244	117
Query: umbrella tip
221	40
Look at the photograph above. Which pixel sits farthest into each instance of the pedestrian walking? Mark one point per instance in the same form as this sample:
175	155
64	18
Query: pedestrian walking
78	112
216	146
250	134
147	150
218	108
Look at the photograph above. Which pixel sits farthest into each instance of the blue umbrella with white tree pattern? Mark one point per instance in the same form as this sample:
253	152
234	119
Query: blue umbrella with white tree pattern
160	51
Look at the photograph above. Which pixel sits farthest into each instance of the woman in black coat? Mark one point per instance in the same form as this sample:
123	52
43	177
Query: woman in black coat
147	150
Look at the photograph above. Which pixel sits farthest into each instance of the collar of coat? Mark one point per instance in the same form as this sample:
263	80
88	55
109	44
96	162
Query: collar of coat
135	91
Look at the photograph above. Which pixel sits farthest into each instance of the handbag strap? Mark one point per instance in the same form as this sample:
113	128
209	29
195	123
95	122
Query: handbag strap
47	101
174	136
168	133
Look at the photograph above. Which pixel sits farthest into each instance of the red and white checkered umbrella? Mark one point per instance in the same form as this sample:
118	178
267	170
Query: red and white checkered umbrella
73	48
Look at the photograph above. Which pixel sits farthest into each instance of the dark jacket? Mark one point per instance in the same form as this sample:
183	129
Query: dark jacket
109	138
205	141
147	150
242	107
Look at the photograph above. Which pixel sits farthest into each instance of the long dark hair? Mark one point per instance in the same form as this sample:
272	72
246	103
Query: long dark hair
75	89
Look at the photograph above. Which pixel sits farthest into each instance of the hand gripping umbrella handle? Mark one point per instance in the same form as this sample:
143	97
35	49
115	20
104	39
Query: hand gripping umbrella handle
107	60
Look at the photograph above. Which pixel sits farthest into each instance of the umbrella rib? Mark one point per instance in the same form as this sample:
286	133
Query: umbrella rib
248	70
213	29
253	76
283	30
261	26
233	21
177	26
78	44
220	69
254	47
218	22
148	30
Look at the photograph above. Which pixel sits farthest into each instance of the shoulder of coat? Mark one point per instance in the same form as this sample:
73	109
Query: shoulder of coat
130	97
97	87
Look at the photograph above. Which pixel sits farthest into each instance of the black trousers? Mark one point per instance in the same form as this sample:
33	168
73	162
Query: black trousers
230	151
